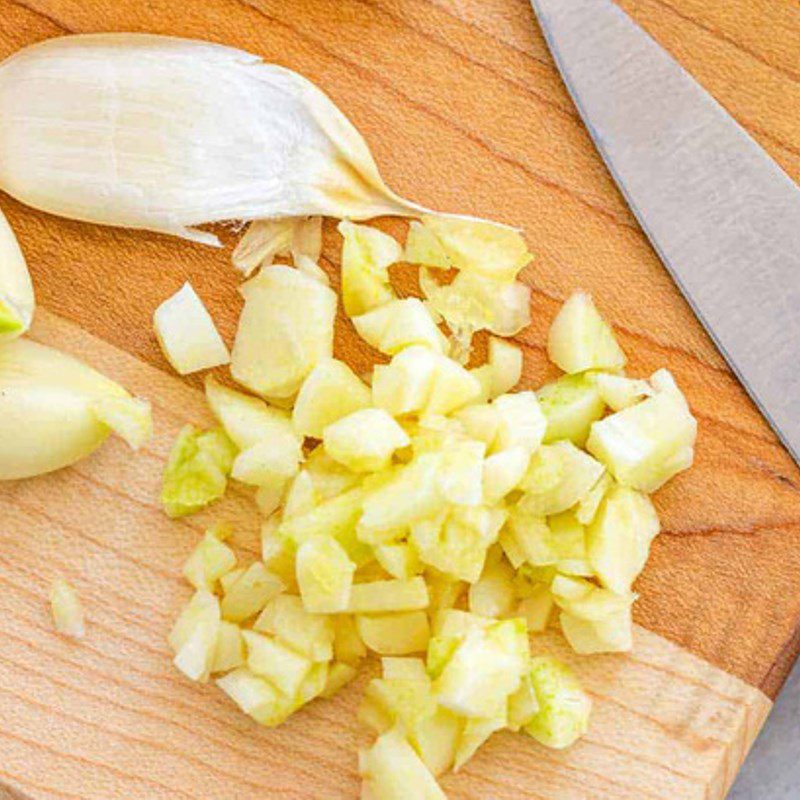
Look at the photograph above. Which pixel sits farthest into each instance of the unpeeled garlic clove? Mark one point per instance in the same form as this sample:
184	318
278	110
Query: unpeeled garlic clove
165	134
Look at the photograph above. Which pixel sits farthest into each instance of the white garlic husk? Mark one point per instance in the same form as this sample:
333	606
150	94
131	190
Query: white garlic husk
165	134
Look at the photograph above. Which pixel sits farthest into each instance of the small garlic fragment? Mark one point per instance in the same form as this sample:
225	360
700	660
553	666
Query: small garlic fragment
66	609
187	334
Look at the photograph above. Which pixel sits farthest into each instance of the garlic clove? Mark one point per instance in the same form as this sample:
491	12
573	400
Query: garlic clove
16	289
165	134
48	403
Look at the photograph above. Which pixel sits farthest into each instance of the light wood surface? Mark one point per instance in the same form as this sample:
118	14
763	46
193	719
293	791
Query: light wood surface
109	717
464	111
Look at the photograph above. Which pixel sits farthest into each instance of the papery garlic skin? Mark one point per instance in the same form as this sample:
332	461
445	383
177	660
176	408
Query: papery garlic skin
16	290
164	134
46	409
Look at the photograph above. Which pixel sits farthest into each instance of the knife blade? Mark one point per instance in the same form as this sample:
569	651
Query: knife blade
721	214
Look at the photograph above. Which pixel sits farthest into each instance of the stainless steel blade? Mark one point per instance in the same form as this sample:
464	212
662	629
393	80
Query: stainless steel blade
724	218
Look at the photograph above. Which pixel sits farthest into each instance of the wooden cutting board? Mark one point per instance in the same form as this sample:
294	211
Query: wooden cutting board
464	111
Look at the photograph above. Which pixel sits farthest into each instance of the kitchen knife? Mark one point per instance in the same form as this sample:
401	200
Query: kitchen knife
723	217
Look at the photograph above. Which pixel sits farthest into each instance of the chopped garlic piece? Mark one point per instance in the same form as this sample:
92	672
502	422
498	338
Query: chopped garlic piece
187	334
325	575
461	473
472	302
484	670
488	248
336	518
619	538
366	256
257	697
520	422
571	404
619	392
272	461
286	617
580	339
392	770
285	330
403	696
230	649
564	707
301	496
275	662
406	495
424	247
251	591
404	385
397	634
645	445
365	440
420	381
399	324
331	391
339	675
407	668
587	508
229	578
400	559
380	597
330	478
457	543
523	704
67	610
503	472
492	595
246	419
587	637
197	470
559	476
583	599
503	366
209	561
194	636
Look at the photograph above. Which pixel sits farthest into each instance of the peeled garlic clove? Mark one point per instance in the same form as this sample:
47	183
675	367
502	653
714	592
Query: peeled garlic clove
164	134
16	289
48	403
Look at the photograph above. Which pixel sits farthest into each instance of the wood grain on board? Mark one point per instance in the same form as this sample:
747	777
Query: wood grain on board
464	111
109	717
